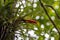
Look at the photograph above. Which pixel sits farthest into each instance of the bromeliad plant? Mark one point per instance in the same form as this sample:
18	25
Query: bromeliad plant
9	20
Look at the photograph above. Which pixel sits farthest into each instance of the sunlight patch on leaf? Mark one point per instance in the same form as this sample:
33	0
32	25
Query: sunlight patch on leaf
31	33
30	10
42	33
23	2
22	7
17	5
52	38
27	34
42	26
47	23
27	38
36	0
35	28
22	10
29	4
20	38
46	39
17	32
55	0
37	17
19	10
42	17
53	17
24	30
47	35
31	0
17	36
34	5
19	2
53	11
56	7
18	15
54	30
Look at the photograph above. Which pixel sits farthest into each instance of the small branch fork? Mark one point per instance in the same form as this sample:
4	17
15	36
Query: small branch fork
53	10
42	5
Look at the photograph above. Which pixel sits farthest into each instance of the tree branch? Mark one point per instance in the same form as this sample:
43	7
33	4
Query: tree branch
54	11
49	16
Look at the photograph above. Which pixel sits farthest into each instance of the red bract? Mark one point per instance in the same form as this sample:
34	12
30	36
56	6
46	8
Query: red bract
31	21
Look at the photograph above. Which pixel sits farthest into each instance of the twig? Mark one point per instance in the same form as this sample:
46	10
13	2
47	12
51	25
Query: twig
49	17
54	11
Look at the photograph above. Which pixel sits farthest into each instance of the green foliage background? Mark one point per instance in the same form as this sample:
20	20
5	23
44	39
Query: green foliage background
13	11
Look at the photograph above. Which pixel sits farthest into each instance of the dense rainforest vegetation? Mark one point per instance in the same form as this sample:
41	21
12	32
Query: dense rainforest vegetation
29	19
